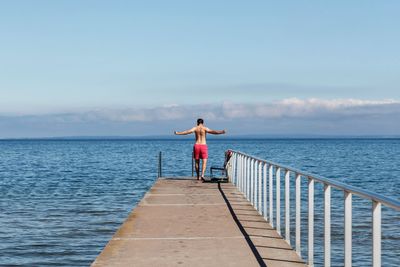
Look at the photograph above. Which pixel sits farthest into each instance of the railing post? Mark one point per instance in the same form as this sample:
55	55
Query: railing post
376	234
271	197
245	180
229	170
310	222
256	185
248	178
251	181
244	175
265	190
255	164
278	200
298	214
239	171
242	166
287	206
347	229
259	194
255	203
235	166
327	225
233	169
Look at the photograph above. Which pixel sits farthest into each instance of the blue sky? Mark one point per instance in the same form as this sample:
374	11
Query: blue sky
123	67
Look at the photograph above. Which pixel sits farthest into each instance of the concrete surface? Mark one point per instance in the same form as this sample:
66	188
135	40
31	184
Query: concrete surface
182	222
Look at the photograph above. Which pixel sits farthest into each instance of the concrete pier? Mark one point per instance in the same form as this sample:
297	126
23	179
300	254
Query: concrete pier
182	222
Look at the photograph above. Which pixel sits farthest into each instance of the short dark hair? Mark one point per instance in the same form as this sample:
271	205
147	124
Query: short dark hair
200	121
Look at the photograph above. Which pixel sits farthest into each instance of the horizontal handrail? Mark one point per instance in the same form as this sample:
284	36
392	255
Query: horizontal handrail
392	203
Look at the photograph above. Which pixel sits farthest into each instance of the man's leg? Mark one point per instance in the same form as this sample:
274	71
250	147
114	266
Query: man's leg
204	166
197	163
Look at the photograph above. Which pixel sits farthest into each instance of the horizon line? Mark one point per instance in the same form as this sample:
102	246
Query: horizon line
235	136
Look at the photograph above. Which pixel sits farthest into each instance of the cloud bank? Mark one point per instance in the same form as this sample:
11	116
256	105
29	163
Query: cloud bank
288	116
287	108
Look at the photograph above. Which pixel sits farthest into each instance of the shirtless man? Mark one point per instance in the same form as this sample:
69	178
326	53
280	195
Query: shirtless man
200	150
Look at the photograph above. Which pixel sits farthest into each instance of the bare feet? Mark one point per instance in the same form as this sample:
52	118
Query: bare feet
202	179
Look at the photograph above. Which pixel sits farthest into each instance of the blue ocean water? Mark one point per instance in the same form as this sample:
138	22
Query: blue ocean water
62	200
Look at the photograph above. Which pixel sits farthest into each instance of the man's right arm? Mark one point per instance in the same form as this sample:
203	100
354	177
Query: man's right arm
185	132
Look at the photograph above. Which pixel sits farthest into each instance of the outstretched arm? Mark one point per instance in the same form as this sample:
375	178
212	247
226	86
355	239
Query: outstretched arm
215	131
185	132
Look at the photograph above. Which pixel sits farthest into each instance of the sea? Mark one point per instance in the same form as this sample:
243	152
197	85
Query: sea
61	200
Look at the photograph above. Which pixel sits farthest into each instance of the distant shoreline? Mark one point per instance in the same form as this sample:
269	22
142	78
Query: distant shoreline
174	138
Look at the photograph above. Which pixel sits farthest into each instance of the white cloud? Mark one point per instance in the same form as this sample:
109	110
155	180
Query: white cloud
334	103
292	108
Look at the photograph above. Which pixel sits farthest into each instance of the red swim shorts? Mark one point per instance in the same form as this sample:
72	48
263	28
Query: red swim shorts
200	151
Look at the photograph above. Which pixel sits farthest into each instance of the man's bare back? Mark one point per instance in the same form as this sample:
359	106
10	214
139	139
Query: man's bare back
200	133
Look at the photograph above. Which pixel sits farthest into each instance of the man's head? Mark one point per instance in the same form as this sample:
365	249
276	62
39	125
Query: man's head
200	121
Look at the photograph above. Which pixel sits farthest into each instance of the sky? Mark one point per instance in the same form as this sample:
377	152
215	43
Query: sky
134	68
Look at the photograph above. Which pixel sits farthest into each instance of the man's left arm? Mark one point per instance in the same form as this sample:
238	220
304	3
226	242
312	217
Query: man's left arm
215	131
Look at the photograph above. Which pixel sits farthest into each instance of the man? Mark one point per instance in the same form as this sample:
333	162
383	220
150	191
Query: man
200	150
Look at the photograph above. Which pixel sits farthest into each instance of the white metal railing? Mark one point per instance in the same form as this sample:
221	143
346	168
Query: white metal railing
254	177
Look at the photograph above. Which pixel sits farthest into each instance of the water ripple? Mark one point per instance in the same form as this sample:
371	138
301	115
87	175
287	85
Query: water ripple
61	201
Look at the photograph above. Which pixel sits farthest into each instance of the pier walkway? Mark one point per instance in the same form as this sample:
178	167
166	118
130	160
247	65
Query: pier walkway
182	222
